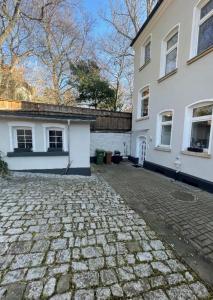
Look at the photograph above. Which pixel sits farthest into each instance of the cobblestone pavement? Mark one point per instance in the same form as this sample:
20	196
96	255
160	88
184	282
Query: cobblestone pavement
64	238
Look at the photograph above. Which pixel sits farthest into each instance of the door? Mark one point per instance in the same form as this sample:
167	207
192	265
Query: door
142	150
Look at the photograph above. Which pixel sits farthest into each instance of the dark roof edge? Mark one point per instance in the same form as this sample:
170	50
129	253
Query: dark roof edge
155	9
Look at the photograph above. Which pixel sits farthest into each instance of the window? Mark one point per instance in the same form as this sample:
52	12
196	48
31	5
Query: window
169	52
55	137
146	52
144	103
164	129
202	38
24	139
201	128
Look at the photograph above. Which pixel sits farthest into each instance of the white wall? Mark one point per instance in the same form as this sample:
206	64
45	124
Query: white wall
109	142
190	84
79	146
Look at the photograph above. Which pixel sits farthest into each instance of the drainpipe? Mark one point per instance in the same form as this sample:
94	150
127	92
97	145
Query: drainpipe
68	144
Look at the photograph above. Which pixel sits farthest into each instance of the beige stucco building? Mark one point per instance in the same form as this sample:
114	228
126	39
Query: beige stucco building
172	128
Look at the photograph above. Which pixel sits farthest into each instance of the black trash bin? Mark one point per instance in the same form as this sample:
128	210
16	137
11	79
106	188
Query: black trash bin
117	158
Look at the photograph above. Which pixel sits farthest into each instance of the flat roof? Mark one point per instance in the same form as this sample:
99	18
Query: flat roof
155	9
46	116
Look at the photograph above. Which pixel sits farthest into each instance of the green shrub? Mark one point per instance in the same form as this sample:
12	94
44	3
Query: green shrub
3	167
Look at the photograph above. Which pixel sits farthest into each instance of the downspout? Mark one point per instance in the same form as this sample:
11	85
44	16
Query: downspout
68	144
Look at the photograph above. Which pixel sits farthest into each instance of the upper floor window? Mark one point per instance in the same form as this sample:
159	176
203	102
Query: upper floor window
55	140
202	37
164	129
23	139
169	52
146	52
198	127
144	103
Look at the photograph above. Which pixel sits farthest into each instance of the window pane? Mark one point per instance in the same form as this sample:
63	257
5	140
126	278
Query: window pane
206	9
200	134
145	93
52	133
58	133
147	52
172	41
20	131
171	59
166	135
28	132
21	139
203	111
205	35
52	145
166	117
144	107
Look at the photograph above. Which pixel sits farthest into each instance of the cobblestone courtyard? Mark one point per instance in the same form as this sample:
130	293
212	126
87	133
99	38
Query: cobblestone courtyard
64	238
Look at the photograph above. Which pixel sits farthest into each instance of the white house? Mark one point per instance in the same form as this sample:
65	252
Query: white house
59	139
53	141
172	128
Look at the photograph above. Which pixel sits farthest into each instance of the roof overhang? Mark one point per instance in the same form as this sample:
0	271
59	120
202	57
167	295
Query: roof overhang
155	9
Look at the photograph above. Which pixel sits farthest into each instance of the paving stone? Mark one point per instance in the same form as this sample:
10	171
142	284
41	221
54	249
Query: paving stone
59	269
160	255
189	276
20	247
158	281
59	244
132	288
160	267
116	290
40	246
36	273
156	295
182	292
143	270
14	276
63	284
144	256
86	279
108	277
96	263
124	236
175	279
84	295
103	293
65	296
126	274
176	266
79	266
49	287
34	290
90	252
2	292
15	291
157	245
199	290
110	261
27	260
63	256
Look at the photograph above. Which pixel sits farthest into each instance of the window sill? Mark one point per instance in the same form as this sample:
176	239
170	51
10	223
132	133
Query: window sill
144	65
199	56
167	75
36	154
142	118
197	154
164	149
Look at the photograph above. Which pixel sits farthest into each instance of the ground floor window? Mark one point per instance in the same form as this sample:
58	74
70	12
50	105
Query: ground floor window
55	139
164	129
23	139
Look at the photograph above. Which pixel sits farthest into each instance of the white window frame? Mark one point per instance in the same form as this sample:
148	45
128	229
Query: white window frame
160	123
140	99
165	52
189	120
197	22
13	126
47	128
147	41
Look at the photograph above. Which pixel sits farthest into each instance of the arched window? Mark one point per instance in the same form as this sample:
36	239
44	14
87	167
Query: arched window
198	127
202	34
55	137
164	129
169	52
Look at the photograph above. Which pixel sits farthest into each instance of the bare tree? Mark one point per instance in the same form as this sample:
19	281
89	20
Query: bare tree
59	40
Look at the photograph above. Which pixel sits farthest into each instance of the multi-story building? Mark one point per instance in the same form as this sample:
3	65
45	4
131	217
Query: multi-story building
173	91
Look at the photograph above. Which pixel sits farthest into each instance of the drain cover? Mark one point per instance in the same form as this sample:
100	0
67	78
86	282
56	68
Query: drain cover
184	196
